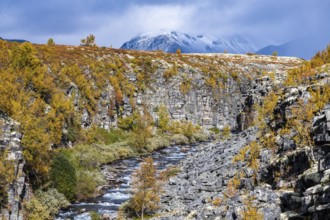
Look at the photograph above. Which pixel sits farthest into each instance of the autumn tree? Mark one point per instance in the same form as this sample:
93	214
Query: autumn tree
163	118
226	132
50	41
146	189
142	130
88	41
6	177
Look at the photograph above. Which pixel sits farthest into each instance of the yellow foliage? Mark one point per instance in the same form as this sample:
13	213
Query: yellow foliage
185	86
251	157
146	188
163	118
231	190
266	109
217	201
226	132
173	71
241	154
250	211
6	177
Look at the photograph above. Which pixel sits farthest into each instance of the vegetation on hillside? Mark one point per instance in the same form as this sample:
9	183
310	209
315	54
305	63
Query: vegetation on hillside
49	88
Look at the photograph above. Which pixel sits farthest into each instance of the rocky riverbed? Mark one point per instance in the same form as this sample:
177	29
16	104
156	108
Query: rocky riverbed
204	179
118	176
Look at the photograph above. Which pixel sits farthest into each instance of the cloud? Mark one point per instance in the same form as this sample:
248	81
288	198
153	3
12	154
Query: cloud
114	22
115	29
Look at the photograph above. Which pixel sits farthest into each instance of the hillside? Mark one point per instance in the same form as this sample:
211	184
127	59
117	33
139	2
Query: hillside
296	48
67	110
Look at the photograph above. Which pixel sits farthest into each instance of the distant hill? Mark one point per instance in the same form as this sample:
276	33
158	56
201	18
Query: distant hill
14	40
171	41
304	48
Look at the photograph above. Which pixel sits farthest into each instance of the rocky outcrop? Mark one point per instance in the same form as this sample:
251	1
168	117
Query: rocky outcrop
242	86
292	178
18	190
321	128
205	178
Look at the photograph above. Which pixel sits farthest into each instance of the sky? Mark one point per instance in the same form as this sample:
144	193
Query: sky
113	22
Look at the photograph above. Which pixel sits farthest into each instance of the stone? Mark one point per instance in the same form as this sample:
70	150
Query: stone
321	128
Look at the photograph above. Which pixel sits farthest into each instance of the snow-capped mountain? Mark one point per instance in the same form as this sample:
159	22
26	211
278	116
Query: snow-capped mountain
171	41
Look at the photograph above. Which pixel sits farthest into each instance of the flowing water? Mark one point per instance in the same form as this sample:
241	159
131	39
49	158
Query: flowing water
119	177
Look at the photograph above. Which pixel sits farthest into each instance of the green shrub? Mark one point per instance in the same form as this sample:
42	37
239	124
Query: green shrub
226	132
35	210
52	200
215	130
126	123
63	175
88	182
163	118
95	216
7	174
109	137
179	139
200	136
157	142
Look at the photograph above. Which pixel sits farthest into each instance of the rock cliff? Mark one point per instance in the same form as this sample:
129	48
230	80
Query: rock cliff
278	170
241	78
18	190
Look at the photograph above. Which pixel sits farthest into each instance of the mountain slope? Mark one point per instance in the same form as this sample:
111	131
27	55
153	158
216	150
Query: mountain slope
14	40
171	41
296	48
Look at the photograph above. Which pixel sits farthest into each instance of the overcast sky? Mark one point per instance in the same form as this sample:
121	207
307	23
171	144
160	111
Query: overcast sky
115	21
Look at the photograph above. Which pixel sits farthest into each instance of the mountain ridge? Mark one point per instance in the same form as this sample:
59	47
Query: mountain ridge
296	48
171	41
14	40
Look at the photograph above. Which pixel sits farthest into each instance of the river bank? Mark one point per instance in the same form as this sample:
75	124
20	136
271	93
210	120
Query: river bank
118	175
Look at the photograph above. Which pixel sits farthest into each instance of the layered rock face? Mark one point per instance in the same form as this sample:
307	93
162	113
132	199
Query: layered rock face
18	190
243	84
289	180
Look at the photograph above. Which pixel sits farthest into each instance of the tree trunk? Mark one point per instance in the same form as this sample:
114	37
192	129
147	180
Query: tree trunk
142	211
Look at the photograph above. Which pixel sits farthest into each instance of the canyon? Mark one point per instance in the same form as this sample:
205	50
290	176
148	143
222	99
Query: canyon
213	91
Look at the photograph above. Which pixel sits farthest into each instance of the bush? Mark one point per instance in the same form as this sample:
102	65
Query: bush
6	177
226	132
215	130
169	172
157	142
250	211
163	118
52	200
63	175
88	181
109	137
146	189
50	41
201	136
35	210
179	139
95	216
88	41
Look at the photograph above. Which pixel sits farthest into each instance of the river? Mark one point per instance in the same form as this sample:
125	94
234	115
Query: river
118	175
